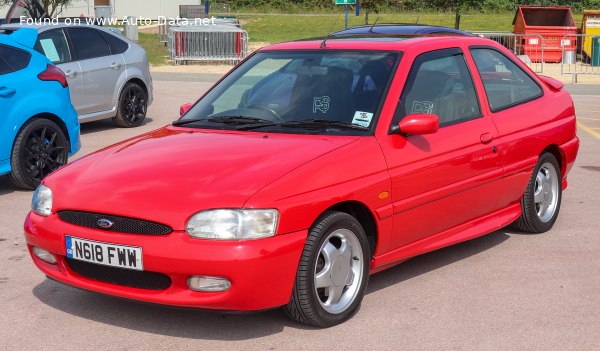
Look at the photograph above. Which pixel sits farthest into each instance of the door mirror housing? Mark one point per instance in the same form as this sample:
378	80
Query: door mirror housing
184	109
419	124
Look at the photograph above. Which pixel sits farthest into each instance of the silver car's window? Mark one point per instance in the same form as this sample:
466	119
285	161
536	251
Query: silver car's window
53	44
87	43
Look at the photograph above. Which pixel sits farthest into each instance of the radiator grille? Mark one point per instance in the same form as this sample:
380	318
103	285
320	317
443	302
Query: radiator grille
120	224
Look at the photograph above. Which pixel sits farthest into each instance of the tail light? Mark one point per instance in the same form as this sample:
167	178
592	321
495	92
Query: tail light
53	73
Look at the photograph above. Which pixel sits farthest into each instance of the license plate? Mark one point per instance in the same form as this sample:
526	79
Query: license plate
107	254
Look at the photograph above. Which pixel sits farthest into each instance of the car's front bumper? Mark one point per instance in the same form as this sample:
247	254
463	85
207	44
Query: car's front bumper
261	272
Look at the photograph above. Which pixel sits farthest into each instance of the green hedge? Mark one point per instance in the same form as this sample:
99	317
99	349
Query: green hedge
406	5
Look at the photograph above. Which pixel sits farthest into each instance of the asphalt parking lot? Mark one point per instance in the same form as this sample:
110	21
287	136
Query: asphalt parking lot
506	290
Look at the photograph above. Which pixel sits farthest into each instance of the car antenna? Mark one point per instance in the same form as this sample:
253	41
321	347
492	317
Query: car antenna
373	26
324	43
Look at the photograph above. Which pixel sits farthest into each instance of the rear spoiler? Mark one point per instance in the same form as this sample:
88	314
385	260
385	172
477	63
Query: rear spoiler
552	83
25	36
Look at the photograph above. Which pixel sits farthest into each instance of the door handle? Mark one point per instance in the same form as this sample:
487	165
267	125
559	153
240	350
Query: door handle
486	138
4	91
70	74
115	66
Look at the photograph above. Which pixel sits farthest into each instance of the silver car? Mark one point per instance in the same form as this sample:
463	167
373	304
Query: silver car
108	74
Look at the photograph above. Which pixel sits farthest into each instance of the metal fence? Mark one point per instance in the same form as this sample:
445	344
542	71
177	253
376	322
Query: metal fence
207	43
584	60
528	47
163	28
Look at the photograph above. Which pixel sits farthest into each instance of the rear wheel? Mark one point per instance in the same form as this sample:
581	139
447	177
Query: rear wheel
133	104
40	148
333	272
541	202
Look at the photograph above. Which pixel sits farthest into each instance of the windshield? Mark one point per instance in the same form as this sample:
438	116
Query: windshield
324	92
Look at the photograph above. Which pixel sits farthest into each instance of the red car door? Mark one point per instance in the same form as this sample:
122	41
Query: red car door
525	118
451	177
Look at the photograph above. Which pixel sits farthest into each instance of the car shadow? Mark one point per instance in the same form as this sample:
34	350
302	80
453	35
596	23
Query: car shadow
7	187
104	125
201	324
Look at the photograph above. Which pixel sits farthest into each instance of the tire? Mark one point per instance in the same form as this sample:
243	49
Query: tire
133	105
540	204
40	148
324	253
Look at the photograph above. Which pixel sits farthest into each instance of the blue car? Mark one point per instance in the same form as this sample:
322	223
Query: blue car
39	128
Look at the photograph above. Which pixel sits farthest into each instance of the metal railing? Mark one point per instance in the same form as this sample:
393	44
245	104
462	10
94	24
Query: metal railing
207	43
163	28
580	58
528	47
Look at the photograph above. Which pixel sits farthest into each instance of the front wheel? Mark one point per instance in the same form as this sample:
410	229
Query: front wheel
541	202
333	272
132	107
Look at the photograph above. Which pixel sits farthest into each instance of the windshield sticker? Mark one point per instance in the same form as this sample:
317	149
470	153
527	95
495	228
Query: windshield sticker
363	119
321	104
425	107
50	50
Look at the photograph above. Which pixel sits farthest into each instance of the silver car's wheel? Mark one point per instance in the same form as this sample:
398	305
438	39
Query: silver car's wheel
545	193
133	104
540	204
338	271
333	272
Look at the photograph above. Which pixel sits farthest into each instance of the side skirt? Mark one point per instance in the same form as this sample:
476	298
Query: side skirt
463	232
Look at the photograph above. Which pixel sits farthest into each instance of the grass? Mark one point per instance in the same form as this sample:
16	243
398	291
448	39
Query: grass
157	52
277	28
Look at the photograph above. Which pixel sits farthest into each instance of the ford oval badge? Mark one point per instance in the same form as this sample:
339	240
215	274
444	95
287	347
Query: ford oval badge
105	223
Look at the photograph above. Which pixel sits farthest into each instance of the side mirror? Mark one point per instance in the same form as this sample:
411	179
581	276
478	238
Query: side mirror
184	109
419	124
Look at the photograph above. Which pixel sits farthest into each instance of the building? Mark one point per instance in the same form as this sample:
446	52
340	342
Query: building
122	8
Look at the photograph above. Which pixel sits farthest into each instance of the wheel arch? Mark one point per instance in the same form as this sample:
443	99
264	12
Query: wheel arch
51	117
558	154
364	216
137	81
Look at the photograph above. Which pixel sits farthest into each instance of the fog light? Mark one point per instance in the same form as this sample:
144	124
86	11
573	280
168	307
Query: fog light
44	255
208	284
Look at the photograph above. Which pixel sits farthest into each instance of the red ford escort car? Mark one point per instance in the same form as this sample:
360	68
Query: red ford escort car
310	166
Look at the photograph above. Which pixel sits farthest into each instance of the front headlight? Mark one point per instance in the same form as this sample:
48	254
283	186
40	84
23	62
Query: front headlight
42	201
233	224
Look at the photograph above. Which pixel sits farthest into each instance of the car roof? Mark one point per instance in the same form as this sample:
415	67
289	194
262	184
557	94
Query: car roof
400	29
378	42
38	27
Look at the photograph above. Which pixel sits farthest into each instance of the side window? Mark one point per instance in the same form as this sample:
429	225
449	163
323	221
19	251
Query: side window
12	60
53	44
440	83
87	43
506	84
117	46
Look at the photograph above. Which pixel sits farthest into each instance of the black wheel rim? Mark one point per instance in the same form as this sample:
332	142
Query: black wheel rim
43	152
134	105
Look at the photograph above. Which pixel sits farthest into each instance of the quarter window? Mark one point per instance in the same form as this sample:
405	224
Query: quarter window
53	44
87	43
440	84
12	60
117	46
506	84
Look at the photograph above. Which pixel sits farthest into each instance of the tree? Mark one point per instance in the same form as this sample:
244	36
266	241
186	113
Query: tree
370	6
51	7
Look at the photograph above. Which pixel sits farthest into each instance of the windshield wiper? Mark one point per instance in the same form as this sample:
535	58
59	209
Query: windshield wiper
323	123
233	120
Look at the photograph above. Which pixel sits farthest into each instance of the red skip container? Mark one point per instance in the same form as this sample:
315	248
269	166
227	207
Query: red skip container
552	23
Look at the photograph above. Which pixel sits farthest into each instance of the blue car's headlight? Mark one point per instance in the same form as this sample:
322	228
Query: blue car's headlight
42	201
